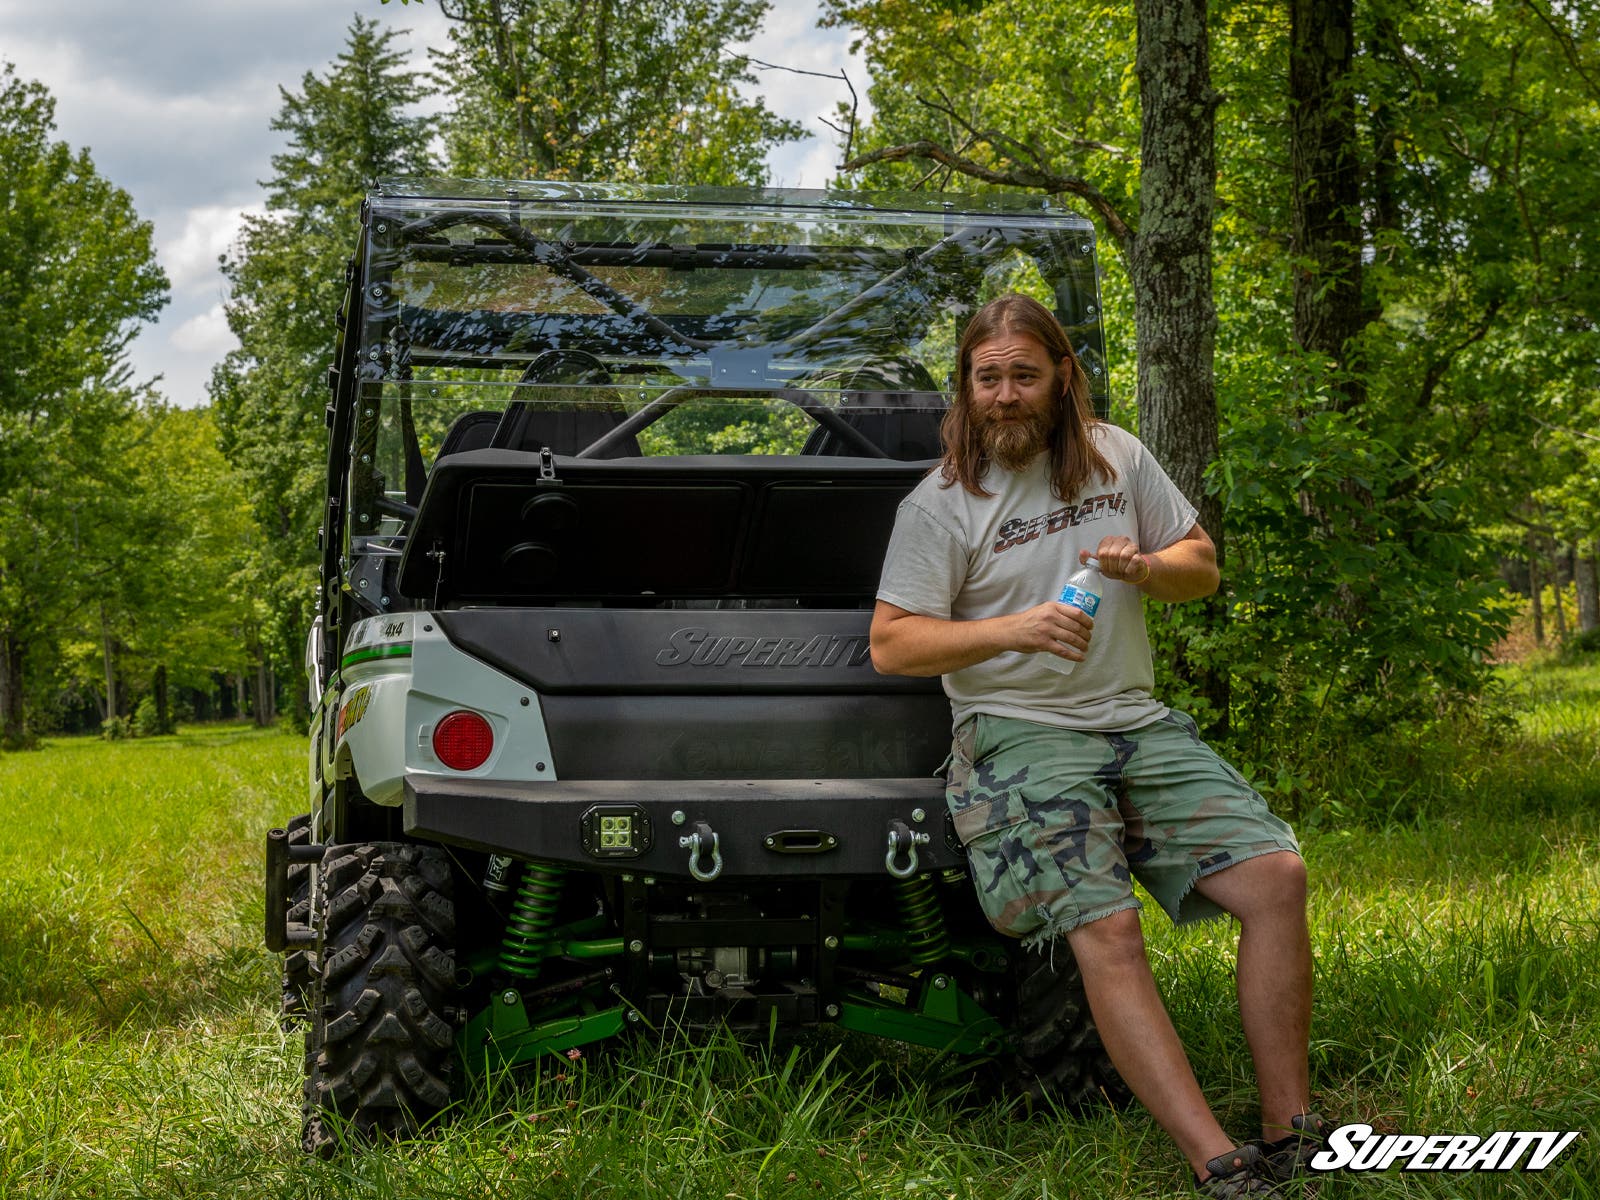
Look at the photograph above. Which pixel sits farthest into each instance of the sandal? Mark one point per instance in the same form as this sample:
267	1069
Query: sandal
1239	1172
1291	1156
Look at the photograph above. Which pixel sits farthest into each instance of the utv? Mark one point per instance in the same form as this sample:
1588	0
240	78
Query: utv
597	742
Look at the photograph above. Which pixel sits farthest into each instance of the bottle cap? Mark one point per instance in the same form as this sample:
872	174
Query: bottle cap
1092	561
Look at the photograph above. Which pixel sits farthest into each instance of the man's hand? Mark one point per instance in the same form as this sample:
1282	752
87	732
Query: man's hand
907	643
1053	628
1185	570
1120	559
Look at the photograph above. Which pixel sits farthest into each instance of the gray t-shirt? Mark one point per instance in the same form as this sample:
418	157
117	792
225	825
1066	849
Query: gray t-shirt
961	557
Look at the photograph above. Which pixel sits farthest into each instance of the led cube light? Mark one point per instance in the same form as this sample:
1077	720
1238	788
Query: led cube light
615	831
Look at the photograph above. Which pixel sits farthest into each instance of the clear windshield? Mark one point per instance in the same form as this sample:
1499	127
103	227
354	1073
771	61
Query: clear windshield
756	310
642	323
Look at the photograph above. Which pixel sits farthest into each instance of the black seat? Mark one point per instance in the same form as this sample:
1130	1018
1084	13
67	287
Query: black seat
525	426
907	435
892	404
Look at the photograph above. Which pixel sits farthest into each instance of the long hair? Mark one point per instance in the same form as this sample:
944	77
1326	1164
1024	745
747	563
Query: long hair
1074	457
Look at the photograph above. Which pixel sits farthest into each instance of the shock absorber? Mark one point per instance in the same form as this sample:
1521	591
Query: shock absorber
924	919
526	943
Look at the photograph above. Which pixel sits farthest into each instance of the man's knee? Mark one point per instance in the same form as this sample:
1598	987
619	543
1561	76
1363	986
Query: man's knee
1272	884
1283	875
1109	942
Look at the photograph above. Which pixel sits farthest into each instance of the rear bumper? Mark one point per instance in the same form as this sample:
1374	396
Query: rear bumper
747	829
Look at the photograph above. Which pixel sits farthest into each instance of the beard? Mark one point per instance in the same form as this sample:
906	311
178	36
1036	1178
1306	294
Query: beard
1013	444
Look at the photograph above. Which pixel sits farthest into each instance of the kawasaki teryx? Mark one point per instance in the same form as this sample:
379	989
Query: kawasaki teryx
597	741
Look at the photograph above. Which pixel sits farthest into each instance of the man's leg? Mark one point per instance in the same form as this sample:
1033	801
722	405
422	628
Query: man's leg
1267	894
1138	1034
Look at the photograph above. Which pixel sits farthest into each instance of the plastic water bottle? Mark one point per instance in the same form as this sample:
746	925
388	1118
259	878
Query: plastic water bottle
1083	589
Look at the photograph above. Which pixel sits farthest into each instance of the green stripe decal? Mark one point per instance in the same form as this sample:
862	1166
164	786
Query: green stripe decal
403	650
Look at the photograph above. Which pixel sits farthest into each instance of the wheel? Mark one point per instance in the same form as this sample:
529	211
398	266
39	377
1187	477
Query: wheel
1055	1053
380	1047
299	962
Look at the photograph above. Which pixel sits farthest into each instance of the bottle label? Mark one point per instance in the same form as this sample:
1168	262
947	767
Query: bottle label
1079	598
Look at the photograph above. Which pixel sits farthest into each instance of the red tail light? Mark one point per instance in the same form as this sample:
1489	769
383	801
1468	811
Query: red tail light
463	740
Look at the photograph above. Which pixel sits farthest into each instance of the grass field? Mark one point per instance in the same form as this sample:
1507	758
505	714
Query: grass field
140	1055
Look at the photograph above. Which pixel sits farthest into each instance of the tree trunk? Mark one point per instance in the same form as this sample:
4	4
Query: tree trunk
1587	573
1170	258
1169	262
1385	217
13	716
1325	223
1558	611
163	709
1536	590
266	709
109	650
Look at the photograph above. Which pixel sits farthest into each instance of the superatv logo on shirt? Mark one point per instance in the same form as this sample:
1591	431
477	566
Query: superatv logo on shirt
1358	1148
1019	529
697	647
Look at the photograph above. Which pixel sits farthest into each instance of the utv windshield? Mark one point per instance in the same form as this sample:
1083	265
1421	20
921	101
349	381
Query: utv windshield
620	322
579	324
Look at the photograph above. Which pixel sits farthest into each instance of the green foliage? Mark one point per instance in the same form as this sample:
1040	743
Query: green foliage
1582	646
77	274
1357	599
346	130
161	592
640	92
146	719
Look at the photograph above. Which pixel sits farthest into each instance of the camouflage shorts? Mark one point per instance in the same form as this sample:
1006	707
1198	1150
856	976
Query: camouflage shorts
1057	822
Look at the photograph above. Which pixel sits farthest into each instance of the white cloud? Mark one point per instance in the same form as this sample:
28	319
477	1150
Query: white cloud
190	257
206	334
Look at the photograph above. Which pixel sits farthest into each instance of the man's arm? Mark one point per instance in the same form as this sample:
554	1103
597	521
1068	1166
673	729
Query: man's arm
907	643
1185	570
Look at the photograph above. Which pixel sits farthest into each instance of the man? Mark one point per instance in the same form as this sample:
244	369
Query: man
1063	785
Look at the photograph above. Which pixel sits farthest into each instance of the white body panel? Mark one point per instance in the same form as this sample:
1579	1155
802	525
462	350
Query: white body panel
382	725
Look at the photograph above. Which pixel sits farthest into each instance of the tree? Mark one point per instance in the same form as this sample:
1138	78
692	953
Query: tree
599	90
346	130
77	274
181	602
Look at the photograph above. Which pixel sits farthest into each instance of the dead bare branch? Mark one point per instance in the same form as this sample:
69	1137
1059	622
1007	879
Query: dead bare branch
1577	433
855	100
993	137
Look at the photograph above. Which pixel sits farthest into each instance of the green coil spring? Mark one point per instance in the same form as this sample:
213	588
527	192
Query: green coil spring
919	905
527	939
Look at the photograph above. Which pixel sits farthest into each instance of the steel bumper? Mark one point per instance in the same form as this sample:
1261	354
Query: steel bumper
699	829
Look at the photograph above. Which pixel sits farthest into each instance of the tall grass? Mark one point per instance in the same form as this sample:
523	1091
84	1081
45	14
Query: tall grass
140	1055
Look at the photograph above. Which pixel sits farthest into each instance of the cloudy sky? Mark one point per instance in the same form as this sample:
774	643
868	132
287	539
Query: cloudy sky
173	99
